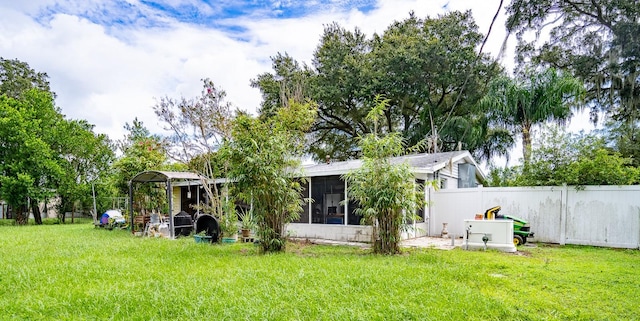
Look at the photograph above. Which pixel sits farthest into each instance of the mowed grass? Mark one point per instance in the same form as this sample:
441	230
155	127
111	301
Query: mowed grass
76	272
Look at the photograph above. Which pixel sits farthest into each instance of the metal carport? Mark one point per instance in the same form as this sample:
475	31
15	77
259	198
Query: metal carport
161	177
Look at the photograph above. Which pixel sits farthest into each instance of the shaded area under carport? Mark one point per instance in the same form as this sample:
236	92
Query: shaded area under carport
162	177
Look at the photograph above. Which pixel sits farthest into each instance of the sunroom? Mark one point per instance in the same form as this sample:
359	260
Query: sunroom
330	215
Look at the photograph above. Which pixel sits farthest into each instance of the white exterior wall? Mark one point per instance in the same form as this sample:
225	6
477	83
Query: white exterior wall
451	169
348	233
450	174
598	215
50	210
176	204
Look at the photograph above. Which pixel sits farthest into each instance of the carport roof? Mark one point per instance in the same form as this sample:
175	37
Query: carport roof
162	176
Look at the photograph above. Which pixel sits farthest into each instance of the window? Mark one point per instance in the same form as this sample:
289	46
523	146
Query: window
420	183
304	215
466	176
353	218
327	194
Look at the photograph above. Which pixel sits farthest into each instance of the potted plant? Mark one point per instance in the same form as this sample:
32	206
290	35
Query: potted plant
202	237
229	225
248	221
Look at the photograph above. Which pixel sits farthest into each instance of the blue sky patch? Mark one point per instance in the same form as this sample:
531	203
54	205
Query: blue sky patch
119	15
152	13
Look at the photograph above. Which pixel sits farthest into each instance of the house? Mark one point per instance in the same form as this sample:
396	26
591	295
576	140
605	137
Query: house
330	216
48	209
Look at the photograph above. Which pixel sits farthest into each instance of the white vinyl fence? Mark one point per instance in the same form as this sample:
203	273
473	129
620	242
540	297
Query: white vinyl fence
597	215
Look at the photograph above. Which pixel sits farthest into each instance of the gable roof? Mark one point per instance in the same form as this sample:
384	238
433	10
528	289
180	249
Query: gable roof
424	163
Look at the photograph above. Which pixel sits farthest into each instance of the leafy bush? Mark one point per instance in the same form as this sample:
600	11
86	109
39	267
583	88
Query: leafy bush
573	159
264	157
383	190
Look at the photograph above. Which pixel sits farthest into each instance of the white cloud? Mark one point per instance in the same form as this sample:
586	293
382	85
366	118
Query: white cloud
109	75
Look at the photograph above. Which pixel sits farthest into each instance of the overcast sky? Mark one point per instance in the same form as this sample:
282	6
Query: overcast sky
110	60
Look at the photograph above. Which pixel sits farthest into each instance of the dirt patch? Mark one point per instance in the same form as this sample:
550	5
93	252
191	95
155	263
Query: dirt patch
520	252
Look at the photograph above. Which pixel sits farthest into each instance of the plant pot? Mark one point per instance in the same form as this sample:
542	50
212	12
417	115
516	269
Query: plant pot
202	238
229	239
246	232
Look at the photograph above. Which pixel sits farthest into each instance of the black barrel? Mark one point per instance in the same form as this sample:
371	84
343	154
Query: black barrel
182	223
208	223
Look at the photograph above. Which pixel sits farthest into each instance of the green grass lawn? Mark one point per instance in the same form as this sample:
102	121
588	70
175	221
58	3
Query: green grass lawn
76	272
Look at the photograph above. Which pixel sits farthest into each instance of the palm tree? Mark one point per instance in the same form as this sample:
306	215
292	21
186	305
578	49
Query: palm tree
538	97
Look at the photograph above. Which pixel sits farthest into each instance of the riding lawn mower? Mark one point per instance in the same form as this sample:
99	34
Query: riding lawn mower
521	228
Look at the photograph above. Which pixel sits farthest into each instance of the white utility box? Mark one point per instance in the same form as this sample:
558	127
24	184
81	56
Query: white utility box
499	235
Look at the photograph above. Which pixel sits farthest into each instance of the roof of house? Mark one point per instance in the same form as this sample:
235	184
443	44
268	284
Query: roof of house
163	176
426	163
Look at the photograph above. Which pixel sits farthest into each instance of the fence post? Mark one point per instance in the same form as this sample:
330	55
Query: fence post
429	213
564	196
481	206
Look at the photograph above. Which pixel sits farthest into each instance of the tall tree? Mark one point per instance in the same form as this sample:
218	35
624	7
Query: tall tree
143	152
43	153
17	77
200	127
540	96
86	159
290	81
429	69
28	165
341	89
597	41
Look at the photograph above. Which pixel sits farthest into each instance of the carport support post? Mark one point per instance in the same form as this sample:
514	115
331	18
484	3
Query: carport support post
171	227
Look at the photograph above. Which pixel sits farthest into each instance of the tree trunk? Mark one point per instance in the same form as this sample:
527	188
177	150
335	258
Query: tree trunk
62	213
526	143
389	236
62	209
22	216
36	212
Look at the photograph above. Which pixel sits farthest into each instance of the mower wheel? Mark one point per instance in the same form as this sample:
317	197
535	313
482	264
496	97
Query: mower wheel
518	240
